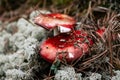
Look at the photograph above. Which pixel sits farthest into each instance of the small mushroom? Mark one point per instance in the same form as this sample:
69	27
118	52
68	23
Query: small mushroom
101	31
68	46
61	23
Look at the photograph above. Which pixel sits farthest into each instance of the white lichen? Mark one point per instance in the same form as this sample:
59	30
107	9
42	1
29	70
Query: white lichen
14	74
3	59
17	40
4	38
17	58
24	27
1	45
67	73
11	27
117	76
29	46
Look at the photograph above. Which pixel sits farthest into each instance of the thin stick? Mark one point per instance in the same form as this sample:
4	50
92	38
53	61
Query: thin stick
110	50
95	57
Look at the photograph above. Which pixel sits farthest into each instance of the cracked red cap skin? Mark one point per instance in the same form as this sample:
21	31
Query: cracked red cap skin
68	46
50	21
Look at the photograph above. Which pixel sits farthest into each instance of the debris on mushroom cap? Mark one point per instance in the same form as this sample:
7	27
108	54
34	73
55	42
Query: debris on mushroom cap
50	21
65	45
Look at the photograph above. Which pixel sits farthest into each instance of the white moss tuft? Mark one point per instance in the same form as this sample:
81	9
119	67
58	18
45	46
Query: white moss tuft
117	76
14	74
67	73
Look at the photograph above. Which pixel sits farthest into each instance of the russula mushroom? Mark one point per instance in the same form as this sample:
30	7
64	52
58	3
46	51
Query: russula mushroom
59	22
69	46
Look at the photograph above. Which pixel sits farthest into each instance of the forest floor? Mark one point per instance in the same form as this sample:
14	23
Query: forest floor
20	39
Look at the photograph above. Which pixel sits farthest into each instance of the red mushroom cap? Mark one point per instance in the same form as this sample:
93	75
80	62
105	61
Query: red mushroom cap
101	31
69	46
50	21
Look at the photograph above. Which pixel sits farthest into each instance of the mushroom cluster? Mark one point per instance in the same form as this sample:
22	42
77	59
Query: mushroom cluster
68	43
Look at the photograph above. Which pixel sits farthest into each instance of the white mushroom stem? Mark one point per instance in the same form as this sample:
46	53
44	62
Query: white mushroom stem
55	31
61	29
